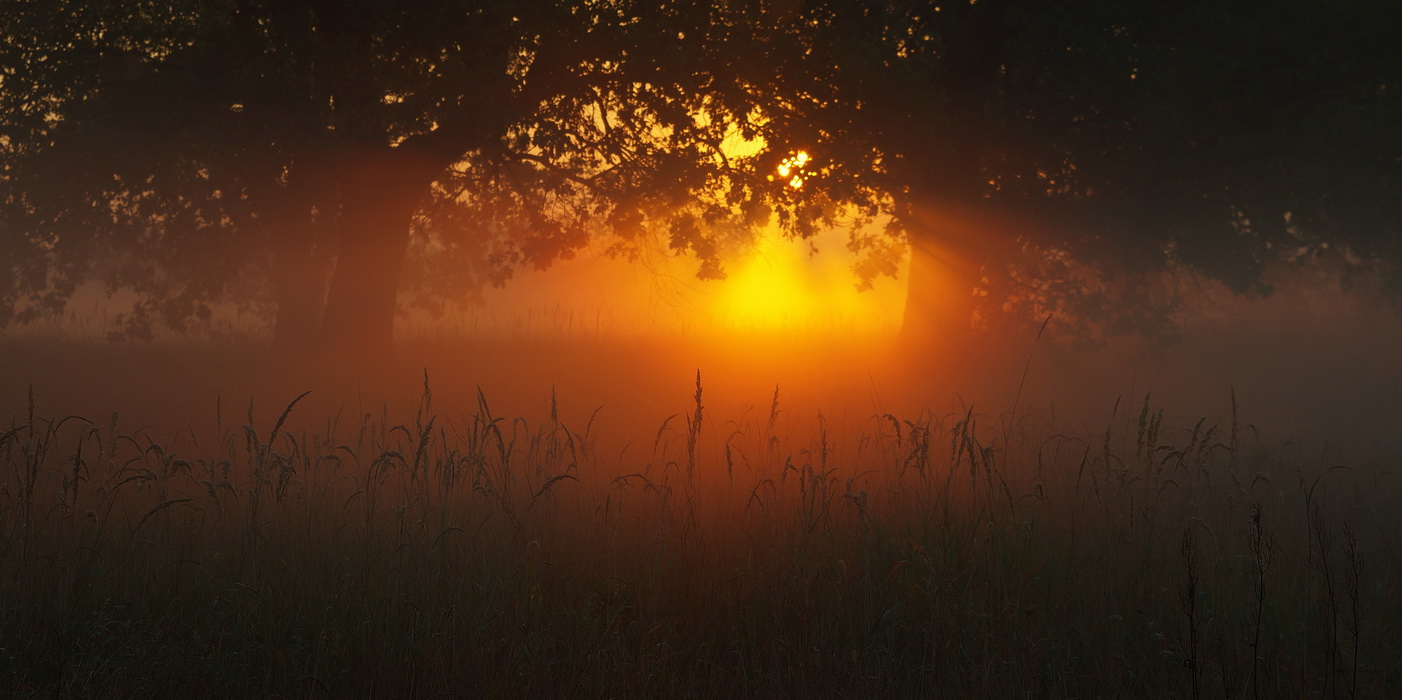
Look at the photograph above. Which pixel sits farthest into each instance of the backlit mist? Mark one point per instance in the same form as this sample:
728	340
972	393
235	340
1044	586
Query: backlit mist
772	349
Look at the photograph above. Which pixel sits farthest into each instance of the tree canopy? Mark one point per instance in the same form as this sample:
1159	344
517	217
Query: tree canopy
1053	156
177	148
1034	156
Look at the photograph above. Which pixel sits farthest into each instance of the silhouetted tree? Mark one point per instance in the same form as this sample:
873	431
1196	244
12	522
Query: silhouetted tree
179	148
1056	156
1035	156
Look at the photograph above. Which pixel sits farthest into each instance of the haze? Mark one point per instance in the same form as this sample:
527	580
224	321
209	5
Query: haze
1311	365
671	349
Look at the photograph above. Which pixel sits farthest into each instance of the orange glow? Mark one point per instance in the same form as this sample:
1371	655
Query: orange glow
773	285
776	285
780	285
767	289
794	168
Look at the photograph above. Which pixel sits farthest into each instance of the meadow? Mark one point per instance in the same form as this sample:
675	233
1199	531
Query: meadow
456	544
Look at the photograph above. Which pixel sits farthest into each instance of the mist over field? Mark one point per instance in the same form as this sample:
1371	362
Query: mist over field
638	349
1311	365
814	462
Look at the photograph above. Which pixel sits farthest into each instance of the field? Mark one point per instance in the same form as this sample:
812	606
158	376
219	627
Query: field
761	528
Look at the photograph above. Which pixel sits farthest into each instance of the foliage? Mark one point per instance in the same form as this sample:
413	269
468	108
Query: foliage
197	142
1073	153
1084	147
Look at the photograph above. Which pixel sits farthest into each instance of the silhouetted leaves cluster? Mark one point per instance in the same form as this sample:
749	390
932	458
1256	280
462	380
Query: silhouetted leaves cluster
1127	138
184	150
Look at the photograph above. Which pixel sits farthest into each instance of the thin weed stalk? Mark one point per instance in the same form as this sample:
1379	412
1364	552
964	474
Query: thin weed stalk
1263	552
1353	576
1189	597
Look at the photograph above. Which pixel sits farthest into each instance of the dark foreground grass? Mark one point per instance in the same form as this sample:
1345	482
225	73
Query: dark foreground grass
474	555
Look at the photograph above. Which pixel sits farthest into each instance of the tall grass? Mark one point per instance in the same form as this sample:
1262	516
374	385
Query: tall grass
480	555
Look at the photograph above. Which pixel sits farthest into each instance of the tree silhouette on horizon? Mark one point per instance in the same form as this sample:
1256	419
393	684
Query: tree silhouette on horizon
1056	157
1033	156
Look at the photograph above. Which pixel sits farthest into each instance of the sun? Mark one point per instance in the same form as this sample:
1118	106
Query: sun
786	284
782	285
768	288
794	169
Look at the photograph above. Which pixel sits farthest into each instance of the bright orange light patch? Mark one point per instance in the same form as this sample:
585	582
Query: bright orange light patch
776	285
767	289
781	286
794	168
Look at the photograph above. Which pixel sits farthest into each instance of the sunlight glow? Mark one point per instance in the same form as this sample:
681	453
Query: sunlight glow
766	289
794	168
773	287
781	286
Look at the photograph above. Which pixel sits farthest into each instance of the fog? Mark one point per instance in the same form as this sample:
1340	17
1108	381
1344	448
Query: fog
1311	366
565	448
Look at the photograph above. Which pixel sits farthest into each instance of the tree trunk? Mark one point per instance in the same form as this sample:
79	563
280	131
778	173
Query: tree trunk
379	190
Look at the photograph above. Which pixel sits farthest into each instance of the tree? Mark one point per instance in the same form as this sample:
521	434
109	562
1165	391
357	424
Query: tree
179	148
1034	156
1059	156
